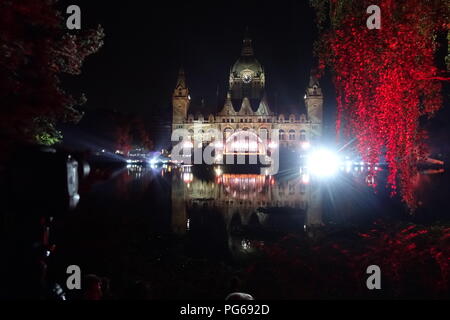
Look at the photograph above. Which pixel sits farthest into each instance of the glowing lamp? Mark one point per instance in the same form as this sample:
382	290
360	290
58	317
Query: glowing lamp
323	162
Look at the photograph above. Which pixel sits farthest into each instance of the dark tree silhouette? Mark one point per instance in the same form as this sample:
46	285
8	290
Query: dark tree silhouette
131	132
124	138
35	50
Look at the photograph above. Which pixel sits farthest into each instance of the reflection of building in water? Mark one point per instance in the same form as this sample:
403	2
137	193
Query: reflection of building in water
242	198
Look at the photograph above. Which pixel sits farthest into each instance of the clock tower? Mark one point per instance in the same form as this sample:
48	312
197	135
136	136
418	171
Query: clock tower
180	101
247	77
314	105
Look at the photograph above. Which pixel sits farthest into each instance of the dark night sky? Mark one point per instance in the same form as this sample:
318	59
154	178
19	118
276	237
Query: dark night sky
145	45
147	41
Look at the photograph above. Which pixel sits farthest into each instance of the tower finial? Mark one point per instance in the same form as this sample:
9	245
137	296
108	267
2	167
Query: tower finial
247	49
181	81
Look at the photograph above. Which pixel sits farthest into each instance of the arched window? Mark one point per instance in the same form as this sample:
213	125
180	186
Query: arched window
282	135
281	118
302	135
291	135
264	134
292	118
201	135
227	132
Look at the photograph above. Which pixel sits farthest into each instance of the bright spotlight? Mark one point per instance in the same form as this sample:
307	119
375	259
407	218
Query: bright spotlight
306	145
323	162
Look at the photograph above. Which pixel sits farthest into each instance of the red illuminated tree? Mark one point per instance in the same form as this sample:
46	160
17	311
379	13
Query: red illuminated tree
386	80
35	49
124	138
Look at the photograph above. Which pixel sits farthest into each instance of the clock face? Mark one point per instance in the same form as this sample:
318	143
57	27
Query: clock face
247	77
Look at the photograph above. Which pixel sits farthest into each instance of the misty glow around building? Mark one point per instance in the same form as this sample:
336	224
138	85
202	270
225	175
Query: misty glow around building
253	129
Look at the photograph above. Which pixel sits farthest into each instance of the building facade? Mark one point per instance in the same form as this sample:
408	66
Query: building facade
246	108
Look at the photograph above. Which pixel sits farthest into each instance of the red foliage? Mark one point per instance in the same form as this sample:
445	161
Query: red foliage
386	80
35	49
414	263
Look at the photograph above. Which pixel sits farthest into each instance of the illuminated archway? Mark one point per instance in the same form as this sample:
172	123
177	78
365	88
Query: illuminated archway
245	142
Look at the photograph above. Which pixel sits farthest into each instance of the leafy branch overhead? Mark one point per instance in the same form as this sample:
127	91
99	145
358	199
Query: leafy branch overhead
35	50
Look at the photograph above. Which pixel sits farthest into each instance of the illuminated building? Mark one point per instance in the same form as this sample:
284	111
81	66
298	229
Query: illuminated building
247	108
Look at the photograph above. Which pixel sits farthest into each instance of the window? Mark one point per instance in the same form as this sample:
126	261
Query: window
282	135
303	135
291	135
292	118
264	134
228	132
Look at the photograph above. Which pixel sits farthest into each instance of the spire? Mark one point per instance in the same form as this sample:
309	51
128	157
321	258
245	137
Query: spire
314	79
246	108
247	48
229	96
263	109
181	81
228	107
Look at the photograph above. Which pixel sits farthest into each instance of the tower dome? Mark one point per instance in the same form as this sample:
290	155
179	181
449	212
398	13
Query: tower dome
247	77
247	61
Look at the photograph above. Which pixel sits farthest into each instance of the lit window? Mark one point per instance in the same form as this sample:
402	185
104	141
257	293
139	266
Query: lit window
292	135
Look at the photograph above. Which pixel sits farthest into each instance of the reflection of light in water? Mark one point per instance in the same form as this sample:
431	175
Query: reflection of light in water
244	186
135	170
188	224
218	171
370	180
246	244
188	177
